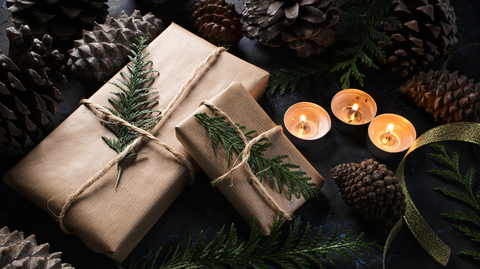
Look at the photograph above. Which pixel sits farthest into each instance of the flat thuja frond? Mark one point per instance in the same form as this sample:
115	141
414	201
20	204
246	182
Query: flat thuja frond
363	19
298	250
354	54
467	196
131	103
274	169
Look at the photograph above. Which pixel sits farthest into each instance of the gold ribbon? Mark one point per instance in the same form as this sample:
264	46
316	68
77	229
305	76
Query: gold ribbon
460	131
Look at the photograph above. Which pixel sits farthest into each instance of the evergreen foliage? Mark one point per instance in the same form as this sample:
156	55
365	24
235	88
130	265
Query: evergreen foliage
467	196
298	250
132	104
354	54
296	181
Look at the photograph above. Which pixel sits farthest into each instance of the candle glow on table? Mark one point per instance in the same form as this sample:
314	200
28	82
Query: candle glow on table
391	133
307	122
353	110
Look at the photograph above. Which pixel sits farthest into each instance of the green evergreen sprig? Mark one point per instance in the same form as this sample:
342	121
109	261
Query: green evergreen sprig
467	196
132	104
354	54
272	168
298	250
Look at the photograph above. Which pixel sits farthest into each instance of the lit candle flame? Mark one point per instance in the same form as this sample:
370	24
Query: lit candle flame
354	112
389	129
303	119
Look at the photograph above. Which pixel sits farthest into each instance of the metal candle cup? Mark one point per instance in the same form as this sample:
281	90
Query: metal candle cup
390	136
353	110
306	124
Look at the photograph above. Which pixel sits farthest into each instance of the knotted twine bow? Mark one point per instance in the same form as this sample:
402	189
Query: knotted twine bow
245	156
460	131
101	112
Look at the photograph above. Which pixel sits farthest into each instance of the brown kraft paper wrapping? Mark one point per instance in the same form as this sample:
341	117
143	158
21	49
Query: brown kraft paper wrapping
246	198
113	222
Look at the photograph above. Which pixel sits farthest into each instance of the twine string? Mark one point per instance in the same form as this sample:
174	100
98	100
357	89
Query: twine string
112	118
245	156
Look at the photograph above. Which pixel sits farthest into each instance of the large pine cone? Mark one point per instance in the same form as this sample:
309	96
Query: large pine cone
26	90
428	33
217	22
104	51
62	19
305	26
371	190
448	97
18	252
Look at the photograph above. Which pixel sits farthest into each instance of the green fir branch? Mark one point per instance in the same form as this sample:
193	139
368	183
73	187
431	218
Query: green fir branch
274	169
353	55
131	103
466	196
298	250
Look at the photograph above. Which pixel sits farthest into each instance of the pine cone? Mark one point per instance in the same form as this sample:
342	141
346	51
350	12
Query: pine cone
428	34
18	252
448	97
26	90
62	19
217	22
104	51
305	26
371	190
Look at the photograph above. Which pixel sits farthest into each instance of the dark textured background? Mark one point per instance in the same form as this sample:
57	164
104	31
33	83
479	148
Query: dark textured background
202	207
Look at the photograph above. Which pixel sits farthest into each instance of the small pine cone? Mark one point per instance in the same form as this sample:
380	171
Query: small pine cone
62	19
305	26
101	53
217	22
428	33
448	97
26	90
371	190
18	252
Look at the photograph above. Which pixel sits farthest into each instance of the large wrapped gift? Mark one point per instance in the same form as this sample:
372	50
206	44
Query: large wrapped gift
112	221
248	198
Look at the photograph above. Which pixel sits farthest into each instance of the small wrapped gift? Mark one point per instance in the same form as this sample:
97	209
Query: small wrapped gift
112	221
247	197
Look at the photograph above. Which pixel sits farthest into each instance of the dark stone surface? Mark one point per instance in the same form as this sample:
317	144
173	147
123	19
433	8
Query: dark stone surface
202	207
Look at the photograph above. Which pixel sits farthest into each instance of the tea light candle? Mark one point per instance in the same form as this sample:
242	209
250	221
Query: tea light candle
353	110
390	136
306	124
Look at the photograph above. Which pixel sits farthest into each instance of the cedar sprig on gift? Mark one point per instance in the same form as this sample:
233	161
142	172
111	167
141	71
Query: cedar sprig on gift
296	181
298	250
132	104
467	197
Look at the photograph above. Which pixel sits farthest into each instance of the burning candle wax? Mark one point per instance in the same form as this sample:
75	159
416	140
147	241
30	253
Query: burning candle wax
353	109
391	133
307	121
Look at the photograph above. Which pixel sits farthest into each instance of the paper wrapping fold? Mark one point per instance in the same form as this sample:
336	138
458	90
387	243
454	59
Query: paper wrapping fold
246	198
113	222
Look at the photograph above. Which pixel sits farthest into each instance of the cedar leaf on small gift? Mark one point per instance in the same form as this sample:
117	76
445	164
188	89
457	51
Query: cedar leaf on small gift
467	196
298	250
132	104
274	169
